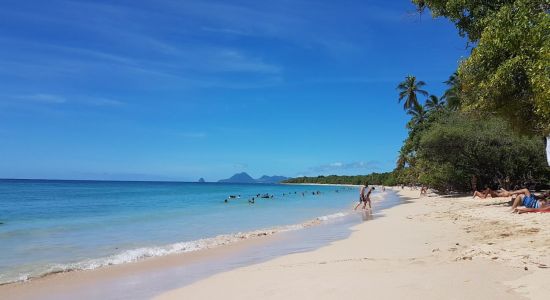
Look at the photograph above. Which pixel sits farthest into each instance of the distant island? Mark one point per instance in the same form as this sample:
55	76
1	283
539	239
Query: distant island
201	180
245	178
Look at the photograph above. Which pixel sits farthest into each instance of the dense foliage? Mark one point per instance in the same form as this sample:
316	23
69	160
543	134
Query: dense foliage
374	178
508	71
452	150
487	128
463	152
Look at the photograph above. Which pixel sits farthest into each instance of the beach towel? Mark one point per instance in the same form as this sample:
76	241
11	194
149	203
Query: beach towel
533	210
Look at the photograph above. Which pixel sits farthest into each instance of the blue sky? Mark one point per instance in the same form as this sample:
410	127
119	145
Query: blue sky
177	90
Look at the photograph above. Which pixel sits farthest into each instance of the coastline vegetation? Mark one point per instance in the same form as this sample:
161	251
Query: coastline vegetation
387	178
488	128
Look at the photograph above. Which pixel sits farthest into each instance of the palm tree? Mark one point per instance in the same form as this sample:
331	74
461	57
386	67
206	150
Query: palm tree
402	160
434	103
408	90
418	114
452	93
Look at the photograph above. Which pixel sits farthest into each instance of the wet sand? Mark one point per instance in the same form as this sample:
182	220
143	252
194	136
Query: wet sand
149	277
429	248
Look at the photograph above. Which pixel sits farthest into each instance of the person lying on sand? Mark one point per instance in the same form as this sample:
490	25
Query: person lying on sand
525	198
543	206
494	194
545	209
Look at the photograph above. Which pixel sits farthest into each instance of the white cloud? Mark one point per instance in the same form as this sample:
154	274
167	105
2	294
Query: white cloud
350	166
101	101
65	99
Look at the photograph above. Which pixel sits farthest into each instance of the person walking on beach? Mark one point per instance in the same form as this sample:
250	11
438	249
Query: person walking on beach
361	196
364	198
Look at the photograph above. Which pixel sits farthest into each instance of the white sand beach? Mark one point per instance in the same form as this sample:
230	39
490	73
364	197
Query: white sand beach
429	248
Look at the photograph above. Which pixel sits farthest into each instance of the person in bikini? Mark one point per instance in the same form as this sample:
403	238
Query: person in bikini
494	194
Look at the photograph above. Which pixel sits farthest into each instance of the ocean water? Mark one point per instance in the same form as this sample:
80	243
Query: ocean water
54	226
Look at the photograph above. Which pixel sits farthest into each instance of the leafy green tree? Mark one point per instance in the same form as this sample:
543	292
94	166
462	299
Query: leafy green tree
452	95
434	103
418	115
388	178
508	71
469	16
408	90
456	149
402	159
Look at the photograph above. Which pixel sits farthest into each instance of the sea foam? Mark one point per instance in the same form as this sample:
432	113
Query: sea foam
180	247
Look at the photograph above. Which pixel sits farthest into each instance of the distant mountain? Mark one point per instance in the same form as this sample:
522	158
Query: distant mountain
239	178
245	178
201	180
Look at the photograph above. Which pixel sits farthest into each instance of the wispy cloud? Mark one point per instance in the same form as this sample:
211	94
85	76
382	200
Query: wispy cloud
345	166
227	31
193	135
99	101
57	99
186	44
235	61
195	66
240	166
43	98
352	80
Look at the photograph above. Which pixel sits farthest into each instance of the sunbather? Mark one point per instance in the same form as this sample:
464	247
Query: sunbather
525	198
545	209
544	206
494	194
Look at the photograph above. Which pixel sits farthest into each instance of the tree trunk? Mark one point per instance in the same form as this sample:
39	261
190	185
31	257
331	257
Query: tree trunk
548	149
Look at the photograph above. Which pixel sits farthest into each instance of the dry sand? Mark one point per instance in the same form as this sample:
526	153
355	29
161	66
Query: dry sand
429	248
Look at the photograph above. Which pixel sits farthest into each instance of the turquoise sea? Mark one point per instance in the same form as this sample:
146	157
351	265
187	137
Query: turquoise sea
49	226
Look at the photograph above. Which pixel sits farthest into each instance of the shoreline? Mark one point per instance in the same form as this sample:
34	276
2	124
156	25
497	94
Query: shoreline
62	283
428	248
182	248
325	184
190	243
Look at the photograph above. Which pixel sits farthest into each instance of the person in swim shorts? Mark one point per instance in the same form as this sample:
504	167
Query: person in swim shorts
525	198
364	198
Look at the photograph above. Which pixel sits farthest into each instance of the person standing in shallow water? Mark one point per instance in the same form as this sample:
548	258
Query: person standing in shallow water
364	198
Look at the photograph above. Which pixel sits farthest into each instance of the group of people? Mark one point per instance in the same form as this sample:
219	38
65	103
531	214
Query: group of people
269	196
521	197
